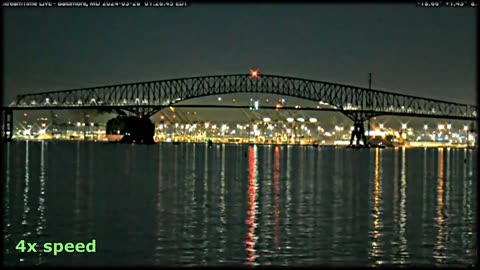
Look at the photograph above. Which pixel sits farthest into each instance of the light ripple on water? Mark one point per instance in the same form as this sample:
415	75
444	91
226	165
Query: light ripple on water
191	205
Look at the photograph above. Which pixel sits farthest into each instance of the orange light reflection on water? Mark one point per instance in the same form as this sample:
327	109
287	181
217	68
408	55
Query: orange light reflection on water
251	239
439	250
276	188
377	223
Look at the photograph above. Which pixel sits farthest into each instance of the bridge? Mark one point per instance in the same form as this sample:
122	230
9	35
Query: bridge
147	98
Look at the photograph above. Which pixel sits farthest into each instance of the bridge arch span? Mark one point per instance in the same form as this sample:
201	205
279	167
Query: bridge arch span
157	94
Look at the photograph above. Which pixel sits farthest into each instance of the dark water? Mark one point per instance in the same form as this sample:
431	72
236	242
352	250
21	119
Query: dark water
263	205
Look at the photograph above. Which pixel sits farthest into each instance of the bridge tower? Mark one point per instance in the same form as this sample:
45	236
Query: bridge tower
358	131
359	118
7	127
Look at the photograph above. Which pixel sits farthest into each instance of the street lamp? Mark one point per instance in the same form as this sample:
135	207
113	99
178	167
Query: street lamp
425	127
404	126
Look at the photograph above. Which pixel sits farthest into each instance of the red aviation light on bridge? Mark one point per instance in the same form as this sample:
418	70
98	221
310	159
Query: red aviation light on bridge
254	73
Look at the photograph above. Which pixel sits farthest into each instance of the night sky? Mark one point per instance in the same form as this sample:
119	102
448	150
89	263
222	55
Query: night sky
429	52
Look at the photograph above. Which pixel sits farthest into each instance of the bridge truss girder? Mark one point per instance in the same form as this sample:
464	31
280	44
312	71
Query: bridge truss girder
168	92
360	116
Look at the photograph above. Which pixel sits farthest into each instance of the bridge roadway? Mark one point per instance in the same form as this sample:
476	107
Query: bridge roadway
147	98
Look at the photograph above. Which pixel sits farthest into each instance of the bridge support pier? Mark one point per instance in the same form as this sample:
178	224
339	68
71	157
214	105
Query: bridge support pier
358	131
7	127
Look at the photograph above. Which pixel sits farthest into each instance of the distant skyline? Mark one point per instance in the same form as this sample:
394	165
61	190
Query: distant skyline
426	52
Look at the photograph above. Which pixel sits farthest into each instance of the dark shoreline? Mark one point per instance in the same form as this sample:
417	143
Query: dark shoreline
250	144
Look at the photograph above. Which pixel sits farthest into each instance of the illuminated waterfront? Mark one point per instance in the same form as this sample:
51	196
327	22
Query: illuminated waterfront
291	131
191	204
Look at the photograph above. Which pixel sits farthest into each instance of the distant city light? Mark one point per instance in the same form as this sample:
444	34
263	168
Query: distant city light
290	119
380	125
449	126
312	120
440	126
219	98
300	119
404	126
377	133
425	127
266	119
255	104
465	128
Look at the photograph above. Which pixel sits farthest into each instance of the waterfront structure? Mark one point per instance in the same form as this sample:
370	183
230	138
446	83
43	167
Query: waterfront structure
146	98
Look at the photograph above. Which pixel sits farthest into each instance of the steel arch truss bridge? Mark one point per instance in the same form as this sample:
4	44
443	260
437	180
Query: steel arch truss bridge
148	98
